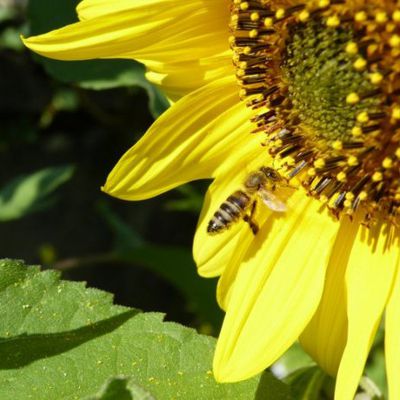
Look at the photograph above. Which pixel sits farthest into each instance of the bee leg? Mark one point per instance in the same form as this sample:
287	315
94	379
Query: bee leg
249	219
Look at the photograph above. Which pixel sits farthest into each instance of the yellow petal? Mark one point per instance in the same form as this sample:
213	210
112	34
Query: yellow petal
89	9
157	33
369	279
191	140
179	78
392	336
276	291
213	253
326	334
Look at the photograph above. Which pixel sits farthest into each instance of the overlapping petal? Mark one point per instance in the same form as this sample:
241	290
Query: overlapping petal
164	34
192	140
371	269
179	78
326	334
276	290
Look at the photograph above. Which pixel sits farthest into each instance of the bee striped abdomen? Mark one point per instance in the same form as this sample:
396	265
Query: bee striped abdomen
229	212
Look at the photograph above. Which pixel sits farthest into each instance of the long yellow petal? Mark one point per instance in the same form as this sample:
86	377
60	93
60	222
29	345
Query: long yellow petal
326	334
165	35
276	291
184	31
191	140
392	336
89	9
369	278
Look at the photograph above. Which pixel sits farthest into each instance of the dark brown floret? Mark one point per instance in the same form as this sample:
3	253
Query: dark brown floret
323	79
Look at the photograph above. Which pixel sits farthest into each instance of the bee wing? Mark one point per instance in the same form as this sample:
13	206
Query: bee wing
272	201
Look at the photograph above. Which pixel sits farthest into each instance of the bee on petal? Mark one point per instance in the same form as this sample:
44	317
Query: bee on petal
242	203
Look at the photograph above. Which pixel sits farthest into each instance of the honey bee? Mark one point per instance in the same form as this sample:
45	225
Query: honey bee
242	203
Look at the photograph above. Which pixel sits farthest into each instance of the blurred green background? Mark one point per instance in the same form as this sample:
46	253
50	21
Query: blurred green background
64	125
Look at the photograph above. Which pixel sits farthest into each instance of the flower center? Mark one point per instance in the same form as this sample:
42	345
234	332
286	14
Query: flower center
323	79
319	75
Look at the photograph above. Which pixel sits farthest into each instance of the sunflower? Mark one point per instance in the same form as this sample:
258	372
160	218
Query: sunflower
310	89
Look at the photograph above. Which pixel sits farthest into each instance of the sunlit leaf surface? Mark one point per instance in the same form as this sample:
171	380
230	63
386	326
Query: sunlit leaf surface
60	340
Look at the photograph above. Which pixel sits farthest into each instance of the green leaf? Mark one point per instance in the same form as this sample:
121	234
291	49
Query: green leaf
60	340
122	388
375	369
271	388
30	193
9	38
309	384
46	15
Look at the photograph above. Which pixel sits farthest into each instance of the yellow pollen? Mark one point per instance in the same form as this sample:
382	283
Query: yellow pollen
396	16
356	131
381	17
360	64
304	16
319	163
337	145
376	78
311	172
394	41
323	3
255	16
290	160
372	48
353	98
253	33
348	203
323	199
268	22
387	163
341	176
350	196
397	153
396	112
377	177
363	195
352	161
361	16
244	6
247	50
352	48
333	199
333	21
397	196
363	117
280	13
